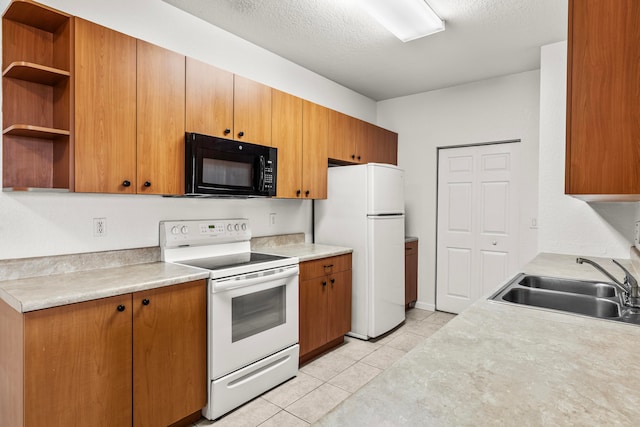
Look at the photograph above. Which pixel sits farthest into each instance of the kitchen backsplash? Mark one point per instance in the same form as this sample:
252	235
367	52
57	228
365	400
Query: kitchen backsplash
44	266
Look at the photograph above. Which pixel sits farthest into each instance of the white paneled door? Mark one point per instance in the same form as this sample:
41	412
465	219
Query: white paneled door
477	222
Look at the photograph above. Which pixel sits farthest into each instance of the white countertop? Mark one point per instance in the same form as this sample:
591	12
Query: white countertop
48	290
501	364
306	251
35	293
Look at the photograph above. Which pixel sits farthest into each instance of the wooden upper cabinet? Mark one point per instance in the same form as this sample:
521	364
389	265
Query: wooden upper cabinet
161	115
354	141
251	111
341	144
286	136
385	146
365	142
105	109
603	100
209	94
315	121
300	132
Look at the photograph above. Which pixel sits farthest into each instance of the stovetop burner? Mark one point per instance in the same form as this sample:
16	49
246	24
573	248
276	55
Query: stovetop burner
234	260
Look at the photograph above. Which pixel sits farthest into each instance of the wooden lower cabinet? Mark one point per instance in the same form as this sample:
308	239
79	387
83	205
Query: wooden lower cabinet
169	353
82	363
325	304
410	273
78	364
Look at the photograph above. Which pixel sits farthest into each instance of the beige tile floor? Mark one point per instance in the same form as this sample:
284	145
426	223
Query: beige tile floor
329	379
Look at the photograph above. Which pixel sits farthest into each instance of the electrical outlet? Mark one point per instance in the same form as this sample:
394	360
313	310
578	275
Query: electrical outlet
272	219
99	227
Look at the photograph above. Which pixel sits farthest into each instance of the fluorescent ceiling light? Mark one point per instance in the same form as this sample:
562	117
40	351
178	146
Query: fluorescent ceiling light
406	19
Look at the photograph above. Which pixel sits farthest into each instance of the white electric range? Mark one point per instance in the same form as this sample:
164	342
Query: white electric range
252	309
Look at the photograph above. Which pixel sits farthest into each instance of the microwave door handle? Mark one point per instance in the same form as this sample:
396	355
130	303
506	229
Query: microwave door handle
262	174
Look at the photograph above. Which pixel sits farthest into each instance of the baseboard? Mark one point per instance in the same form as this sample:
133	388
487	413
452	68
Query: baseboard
425	306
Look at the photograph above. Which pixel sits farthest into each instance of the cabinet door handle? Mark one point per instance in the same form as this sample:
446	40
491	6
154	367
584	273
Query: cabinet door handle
333	281
147	183
358	157
240	134
227	131
353	157
145	302
126	183
328	266
121	308
306	193
324	283
298	192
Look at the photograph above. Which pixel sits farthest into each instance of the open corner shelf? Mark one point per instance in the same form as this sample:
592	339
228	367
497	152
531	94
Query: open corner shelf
36	15
35	73
35	132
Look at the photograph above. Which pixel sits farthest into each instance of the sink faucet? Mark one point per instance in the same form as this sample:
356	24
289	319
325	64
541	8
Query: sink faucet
629	286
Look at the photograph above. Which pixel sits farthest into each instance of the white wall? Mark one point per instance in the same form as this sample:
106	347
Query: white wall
569	225
165	25
492	110
50	224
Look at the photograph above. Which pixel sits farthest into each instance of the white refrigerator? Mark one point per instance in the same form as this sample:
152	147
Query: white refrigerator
365	211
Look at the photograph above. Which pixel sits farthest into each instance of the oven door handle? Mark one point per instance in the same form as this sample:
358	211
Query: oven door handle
228	284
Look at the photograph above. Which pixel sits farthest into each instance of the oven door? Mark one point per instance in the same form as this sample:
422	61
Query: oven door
251	318
228	168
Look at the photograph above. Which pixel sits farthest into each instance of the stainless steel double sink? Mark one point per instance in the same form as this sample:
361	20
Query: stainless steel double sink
588	298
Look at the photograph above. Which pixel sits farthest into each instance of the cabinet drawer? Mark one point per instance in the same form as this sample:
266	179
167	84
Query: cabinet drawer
411	248
324	266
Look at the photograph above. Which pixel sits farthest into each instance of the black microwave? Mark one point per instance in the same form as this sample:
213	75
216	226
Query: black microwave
222	167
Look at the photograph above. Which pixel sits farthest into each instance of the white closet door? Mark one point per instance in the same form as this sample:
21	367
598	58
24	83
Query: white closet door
477	222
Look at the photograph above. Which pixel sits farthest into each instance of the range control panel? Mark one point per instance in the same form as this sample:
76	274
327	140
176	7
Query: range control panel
203	232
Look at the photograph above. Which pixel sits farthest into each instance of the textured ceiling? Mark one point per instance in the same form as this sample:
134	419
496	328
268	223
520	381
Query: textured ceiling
338	40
